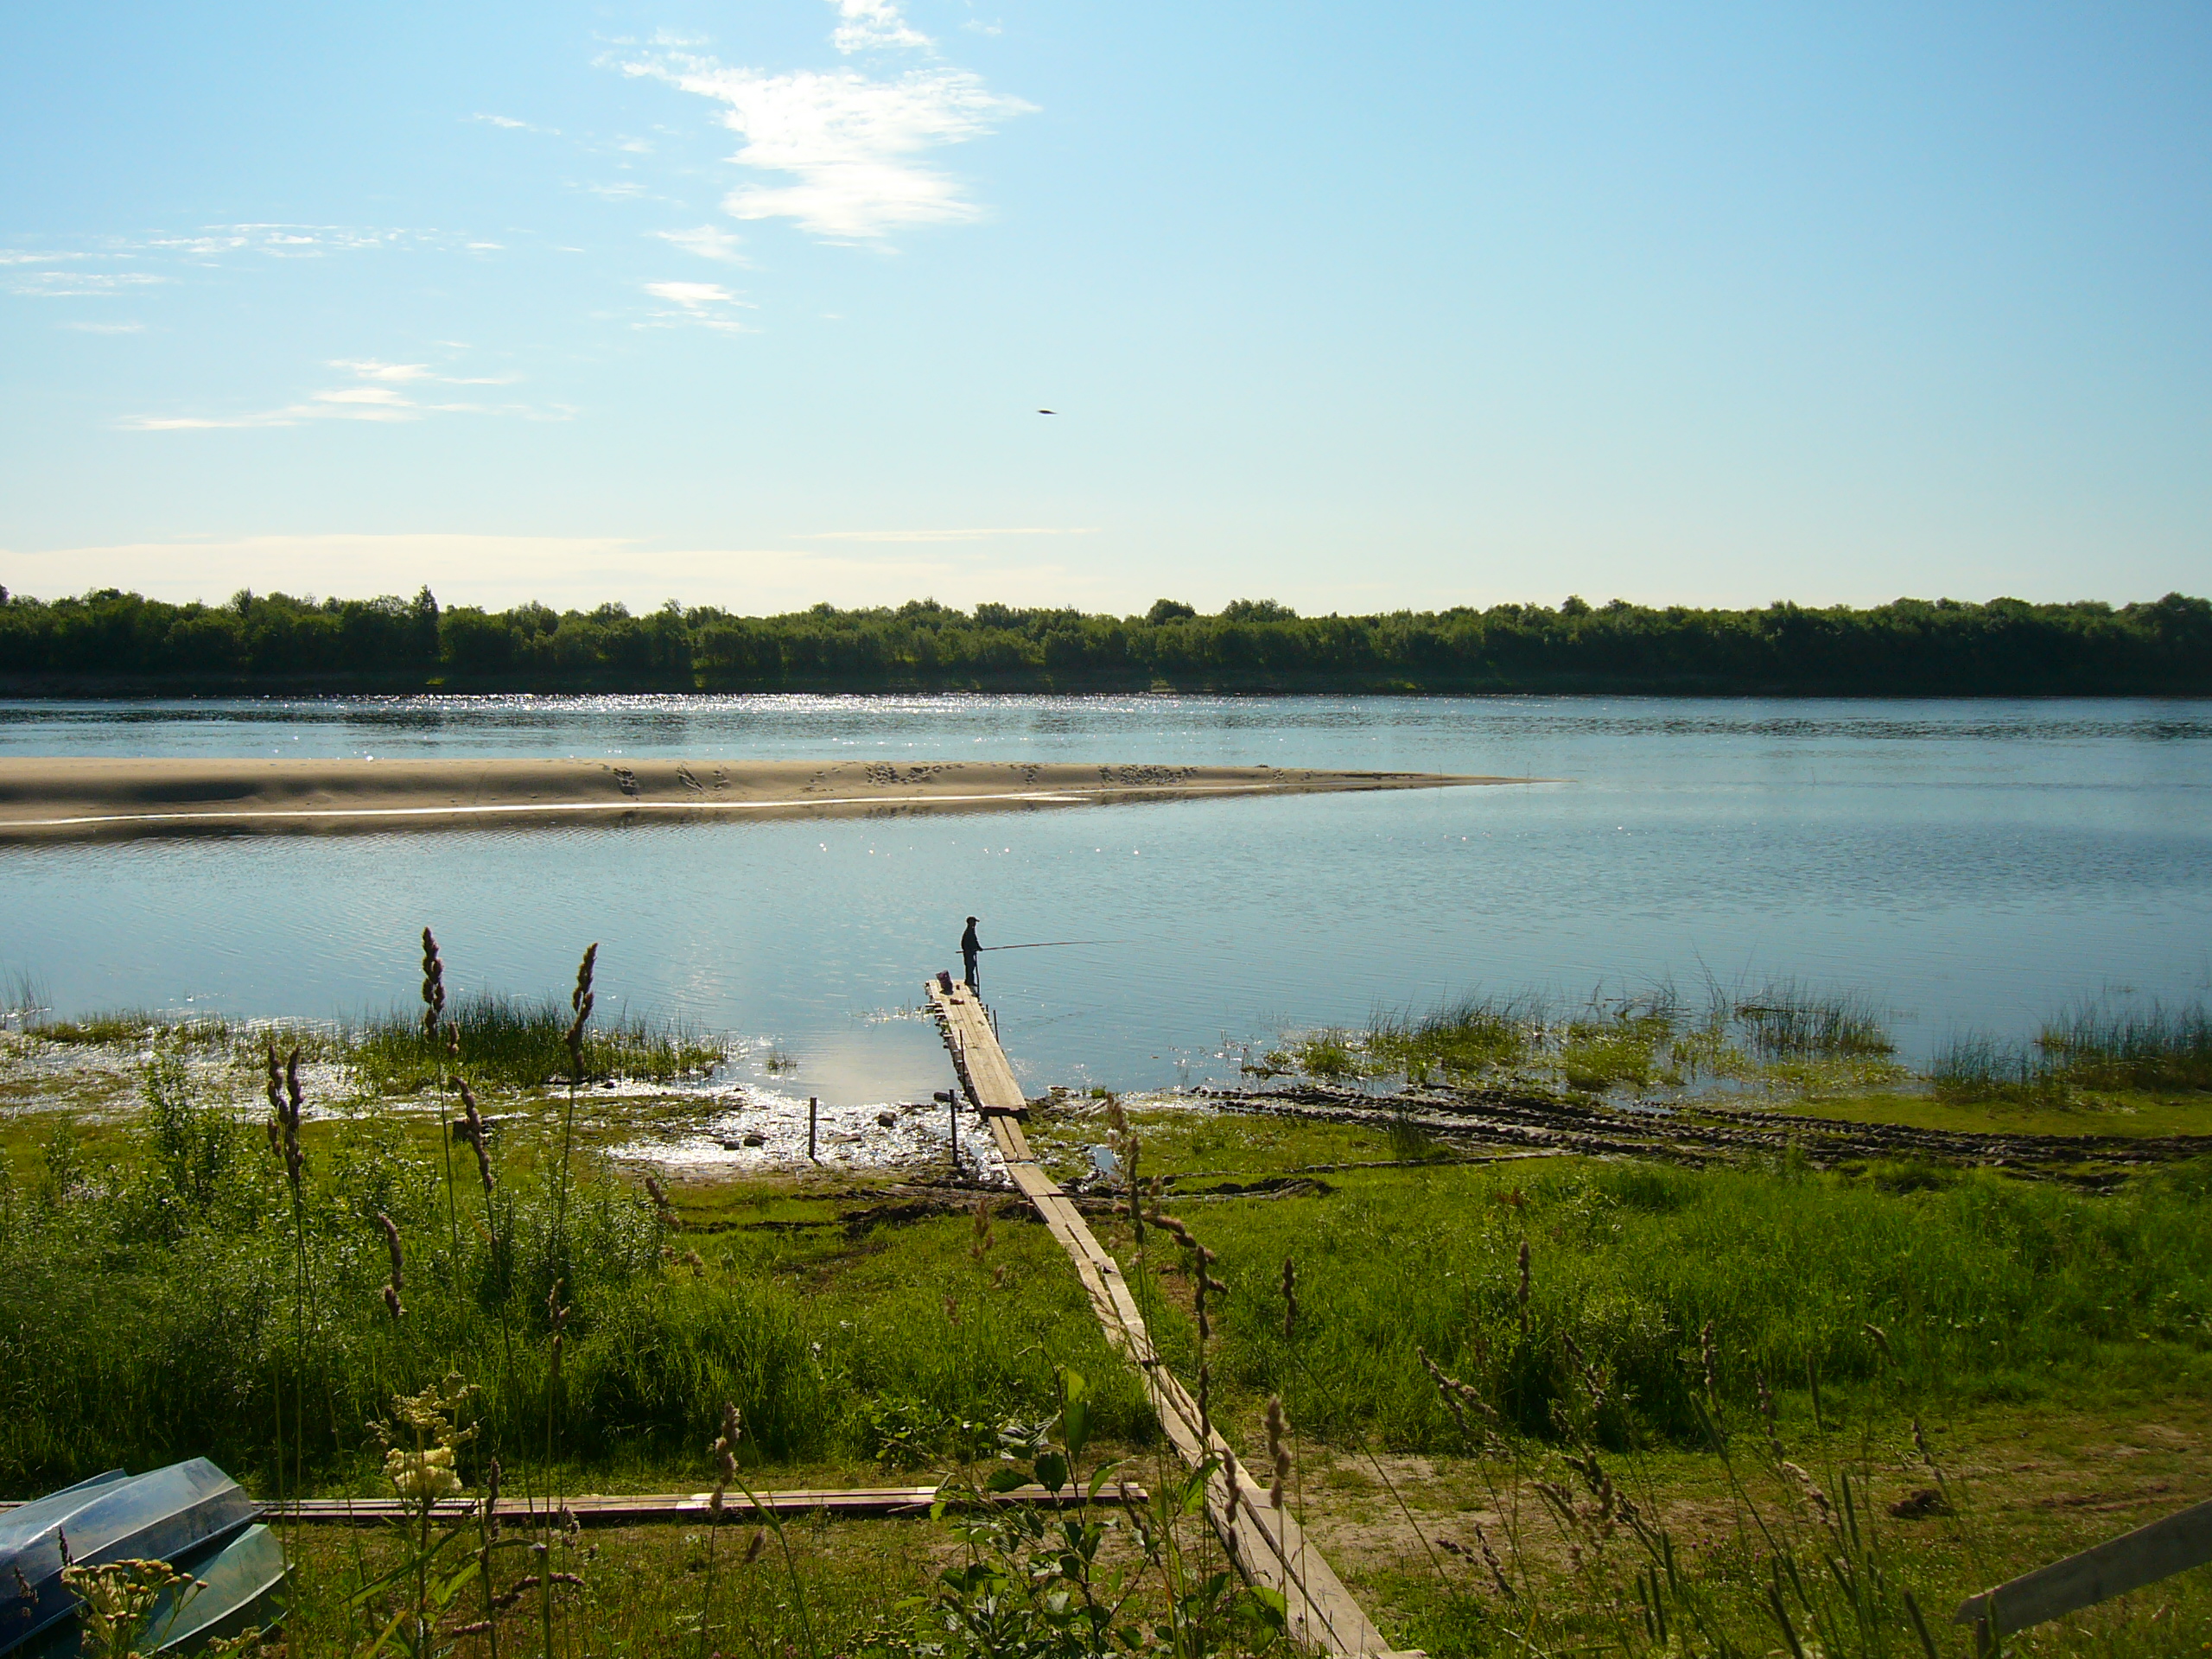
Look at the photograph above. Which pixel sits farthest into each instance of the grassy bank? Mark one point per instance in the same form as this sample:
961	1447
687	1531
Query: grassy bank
152	1307
1781	1038
1982	1289
1670	1394
511	1042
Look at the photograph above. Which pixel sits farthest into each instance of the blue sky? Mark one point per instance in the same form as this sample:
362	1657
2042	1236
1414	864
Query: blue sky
1359	308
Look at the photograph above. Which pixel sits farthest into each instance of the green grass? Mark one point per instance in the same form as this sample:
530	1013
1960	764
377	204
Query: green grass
148	1313
644	1589
2090	1047
128	1028
147	1307
1781	1035
520	1042
1986	1290
511	1042
1780	1039
2069	1112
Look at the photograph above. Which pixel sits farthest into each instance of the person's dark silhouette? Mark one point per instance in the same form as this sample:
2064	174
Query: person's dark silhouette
969	947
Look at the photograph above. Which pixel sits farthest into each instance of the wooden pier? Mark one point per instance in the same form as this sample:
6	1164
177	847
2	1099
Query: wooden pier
1267	1544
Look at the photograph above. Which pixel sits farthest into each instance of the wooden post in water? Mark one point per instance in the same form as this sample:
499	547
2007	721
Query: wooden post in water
951	1099
813	1108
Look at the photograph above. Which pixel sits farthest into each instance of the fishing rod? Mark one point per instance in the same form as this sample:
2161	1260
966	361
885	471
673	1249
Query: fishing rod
1053	945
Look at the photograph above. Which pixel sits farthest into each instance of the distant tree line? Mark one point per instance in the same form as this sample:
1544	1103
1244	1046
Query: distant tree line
113	642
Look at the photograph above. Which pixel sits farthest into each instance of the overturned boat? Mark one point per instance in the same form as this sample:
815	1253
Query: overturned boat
191	1515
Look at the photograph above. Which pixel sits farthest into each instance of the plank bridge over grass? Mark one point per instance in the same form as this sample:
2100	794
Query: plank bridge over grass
1267	1545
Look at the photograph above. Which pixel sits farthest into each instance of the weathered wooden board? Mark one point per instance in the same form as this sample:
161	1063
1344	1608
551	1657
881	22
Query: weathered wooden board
635	1508
2145	1555
1267	1544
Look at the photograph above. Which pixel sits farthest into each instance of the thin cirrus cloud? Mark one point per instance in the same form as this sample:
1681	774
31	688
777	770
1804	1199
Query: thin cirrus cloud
850	143
708	304
708	242
378	391
109	266
82	284
946	535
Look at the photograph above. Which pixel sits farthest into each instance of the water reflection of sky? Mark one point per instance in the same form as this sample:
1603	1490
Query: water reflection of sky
1971	864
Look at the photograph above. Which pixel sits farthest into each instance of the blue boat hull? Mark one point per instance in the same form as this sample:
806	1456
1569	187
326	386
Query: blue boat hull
185	1511
236	1584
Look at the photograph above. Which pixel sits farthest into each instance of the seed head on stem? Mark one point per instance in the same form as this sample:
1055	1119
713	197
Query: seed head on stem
725	1455
472	1130
284	1090
1766	1410
581	999
434	984
1289	1298
399	1265
1278	1449
1459	1398
556	1313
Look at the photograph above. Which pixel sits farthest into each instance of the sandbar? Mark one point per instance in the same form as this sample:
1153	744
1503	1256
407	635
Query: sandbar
80	797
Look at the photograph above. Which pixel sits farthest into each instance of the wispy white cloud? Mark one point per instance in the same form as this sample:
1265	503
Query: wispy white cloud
511	124
708	242
107	328
381	392
278	241
946	535
113	264
874	25
80	284
709	304
850	143
372	369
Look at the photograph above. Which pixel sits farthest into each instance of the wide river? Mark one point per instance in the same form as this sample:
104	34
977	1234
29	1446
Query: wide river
1973	866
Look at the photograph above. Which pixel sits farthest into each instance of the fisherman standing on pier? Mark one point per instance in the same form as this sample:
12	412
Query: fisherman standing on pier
969	946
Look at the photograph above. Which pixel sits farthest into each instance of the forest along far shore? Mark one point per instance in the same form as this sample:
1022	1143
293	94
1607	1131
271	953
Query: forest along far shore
111	643
72	797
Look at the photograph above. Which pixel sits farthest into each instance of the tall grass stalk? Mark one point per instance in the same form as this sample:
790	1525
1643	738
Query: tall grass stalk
433	1008
283	1126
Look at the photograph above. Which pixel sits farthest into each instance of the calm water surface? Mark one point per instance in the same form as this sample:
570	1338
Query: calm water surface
1974	865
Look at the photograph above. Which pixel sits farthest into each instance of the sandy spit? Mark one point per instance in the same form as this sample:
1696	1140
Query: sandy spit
76	798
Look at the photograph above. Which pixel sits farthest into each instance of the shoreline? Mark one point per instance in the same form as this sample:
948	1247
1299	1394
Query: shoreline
84	799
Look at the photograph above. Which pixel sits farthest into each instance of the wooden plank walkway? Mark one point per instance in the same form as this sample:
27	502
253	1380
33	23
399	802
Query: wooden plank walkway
1267	1545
